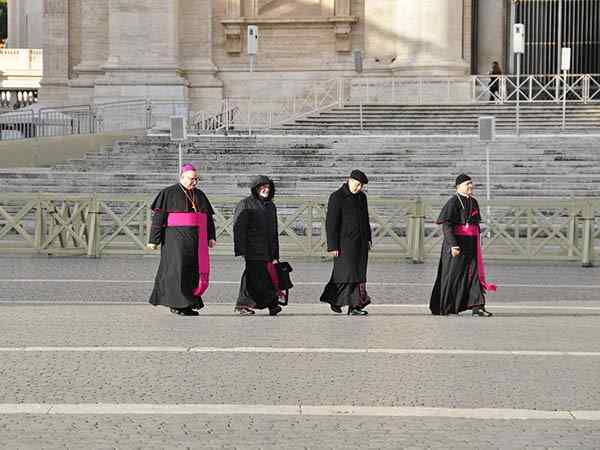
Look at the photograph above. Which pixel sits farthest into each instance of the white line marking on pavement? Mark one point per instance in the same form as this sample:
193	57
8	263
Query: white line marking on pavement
144	303
297	283
310	350
294	410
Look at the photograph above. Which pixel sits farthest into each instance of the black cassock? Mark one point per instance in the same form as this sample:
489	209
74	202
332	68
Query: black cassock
256	238
177	274
349	231
458	286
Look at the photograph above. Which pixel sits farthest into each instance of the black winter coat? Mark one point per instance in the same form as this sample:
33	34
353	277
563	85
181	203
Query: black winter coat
349	231
255	231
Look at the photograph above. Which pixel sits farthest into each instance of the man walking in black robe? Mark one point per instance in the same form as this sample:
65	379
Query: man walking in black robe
349	242
256	238
183	226
460	284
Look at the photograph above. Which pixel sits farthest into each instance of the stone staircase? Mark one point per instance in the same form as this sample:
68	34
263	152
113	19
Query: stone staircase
398	166
447	119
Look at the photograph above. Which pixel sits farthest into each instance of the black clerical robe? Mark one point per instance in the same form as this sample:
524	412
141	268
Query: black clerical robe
460	283
349	232
178	275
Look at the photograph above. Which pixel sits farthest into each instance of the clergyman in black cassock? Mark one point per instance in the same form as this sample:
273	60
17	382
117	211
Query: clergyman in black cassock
256	238
349	242
179	277
460	284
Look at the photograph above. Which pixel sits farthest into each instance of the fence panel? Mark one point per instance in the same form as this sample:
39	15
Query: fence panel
96	225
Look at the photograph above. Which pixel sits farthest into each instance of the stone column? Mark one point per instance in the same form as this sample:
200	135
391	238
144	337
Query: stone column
13	23
196	52
429	38
56	51
143	56
94	42
416	38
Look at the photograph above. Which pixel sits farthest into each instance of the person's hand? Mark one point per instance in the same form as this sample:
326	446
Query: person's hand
275	261
455	251
212	243
151	246
334	253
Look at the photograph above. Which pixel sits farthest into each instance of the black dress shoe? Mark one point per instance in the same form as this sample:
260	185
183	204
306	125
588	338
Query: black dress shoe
184	312
482	312
357	312
275	310
336	309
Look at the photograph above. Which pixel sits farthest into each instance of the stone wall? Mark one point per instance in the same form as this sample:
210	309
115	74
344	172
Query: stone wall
196	50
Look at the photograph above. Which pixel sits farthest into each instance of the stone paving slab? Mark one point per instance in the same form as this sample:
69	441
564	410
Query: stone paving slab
53	313
408	283
447	381
279	432
297	326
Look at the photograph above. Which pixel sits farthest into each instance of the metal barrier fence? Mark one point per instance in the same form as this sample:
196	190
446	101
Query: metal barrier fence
261	112
86	119
578	88
96	225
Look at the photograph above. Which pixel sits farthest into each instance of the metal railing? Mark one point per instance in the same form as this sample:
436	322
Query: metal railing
251	113
96	118
96	225
580	88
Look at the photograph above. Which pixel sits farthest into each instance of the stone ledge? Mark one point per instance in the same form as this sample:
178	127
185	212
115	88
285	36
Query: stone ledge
334	20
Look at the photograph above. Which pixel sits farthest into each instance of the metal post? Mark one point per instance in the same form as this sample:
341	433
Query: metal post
93	228
488	189
588	219
564	102
559	38
180	160
518	93
39	226
361	115
418	233
250	116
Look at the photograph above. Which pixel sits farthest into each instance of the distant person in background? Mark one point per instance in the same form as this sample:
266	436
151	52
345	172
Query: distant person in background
460	284
494	85
183	227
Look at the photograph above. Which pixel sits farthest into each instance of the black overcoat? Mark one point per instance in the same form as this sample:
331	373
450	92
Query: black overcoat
255	231
349	232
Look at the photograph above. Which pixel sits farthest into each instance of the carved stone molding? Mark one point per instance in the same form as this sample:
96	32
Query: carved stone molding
342	26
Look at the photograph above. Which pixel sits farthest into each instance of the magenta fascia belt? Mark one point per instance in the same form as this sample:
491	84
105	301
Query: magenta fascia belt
474	231
198	220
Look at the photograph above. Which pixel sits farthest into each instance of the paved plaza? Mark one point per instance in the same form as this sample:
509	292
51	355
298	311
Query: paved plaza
85	362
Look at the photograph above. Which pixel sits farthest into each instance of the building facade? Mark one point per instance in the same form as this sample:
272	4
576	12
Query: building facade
25	24
195	50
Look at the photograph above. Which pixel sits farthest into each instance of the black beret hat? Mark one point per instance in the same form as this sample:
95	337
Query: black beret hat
461	179
359	176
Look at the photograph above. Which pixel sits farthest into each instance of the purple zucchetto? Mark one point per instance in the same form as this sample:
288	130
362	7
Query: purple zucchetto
187	168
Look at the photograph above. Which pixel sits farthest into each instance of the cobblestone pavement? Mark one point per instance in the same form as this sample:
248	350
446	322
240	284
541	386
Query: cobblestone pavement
78	333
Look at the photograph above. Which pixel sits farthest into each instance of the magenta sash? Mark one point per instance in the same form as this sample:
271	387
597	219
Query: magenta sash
473	231
275	279
199	220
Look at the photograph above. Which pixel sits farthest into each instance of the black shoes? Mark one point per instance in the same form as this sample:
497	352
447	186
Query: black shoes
185	311
481	312
336	309
357	312
274	310
244	311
